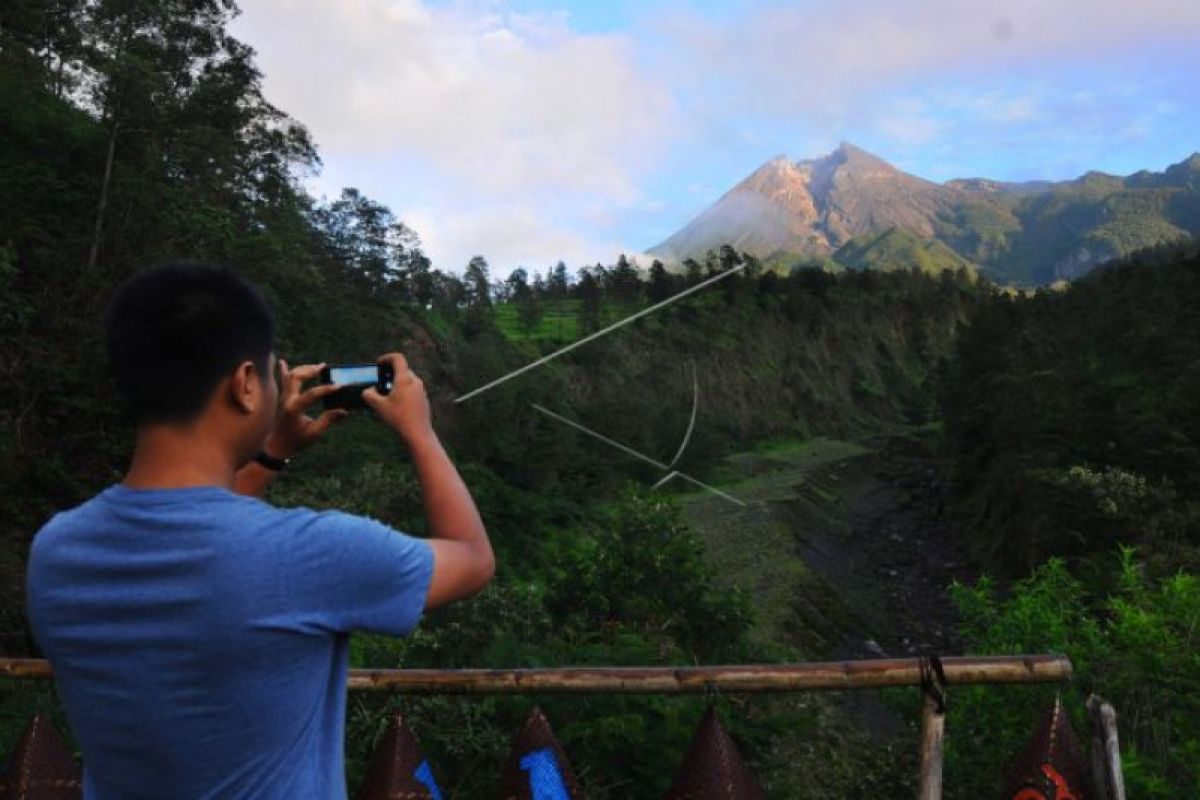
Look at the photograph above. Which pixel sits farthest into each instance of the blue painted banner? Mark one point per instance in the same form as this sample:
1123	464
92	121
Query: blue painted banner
545	780
424	775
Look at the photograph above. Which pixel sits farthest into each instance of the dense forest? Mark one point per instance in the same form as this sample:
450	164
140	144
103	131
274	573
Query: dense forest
1063	424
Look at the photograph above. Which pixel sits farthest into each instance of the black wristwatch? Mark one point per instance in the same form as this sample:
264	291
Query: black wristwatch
273	464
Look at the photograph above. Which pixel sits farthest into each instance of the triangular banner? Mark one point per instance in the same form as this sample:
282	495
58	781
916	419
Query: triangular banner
713	769
41	767
399	771
537	767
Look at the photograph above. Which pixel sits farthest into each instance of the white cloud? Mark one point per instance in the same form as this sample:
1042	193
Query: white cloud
511	114
512	102
507	236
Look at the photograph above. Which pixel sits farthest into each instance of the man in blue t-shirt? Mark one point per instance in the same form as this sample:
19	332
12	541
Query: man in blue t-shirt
198	635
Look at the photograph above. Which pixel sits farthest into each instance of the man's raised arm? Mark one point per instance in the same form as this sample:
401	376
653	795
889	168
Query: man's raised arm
463	561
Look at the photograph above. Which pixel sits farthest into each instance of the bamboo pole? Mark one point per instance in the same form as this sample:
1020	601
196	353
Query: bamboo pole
933	726
933	731
25	668
1106	749
752	678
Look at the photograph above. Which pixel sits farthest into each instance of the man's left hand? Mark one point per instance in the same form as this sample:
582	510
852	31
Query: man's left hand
294	428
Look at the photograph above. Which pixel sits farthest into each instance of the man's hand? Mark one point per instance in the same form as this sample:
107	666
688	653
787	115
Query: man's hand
405	408
294	429
463	561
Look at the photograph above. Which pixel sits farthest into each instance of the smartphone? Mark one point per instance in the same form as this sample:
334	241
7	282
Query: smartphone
353	379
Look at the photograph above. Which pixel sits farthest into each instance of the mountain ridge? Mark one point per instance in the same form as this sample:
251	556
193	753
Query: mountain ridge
1025	232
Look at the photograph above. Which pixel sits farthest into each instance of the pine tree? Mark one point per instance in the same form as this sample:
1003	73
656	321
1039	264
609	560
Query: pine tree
660	283
477	282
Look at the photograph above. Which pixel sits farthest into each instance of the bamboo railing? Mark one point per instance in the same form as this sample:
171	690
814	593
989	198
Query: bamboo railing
809	676
932	674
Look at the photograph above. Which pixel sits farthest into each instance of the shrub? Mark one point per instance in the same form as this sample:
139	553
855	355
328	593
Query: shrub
1137	647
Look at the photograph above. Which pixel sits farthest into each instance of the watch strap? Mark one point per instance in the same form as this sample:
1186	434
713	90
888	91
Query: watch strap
273	464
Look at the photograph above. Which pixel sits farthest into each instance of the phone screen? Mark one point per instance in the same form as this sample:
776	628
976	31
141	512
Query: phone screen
344	375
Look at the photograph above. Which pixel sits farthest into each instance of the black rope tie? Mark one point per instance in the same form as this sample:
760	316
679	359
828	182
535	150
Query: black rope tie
933	681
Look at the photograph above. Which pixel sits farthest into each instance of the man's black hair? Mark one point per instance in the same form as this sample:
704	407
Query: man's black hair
175	330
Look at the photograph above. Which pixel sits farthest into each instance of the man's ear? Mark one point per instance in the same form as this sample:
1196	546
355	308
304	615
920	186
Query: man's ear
245	387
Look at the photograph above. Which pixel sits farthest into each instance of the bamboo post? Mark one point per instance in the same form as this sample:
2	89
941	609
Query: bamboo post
1106	749
743	678
933	727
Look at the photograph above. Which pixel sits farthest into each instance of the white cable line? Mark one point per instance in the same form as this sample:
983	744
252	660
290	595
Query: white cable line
636	454
692	421
601	332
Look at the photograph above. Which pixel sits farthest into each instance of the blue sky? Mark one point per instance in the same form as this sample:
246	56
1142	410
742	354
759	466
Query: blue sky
529	130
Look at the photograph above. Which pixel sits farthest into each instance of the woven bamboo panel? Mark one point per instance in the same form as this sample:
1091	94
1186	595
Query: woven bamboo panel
1052	766
393	774
713	769
41	767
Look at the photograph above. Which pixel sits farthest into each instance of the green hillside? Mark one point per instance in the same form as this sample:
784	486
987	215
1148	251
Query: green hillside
895	249
1073	433
1065	231
1098	383
981	230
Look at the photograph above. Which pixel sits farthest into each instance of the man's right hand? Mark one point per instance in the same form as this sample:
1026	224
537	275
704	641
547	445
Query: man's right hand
463	561
405	408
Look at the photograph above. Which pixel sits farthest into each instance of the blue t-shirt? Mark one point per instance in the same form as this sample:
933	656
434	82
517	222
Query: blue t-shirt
199	638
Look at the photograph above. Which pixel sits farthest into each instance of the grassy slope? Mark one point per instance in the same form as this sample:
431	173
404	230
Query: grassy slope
843	743
559	322
771	570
